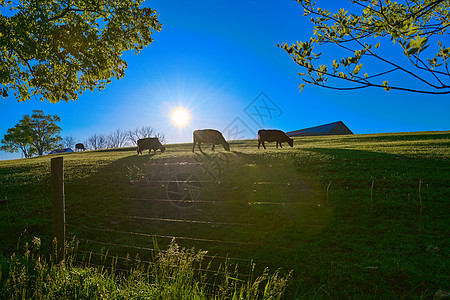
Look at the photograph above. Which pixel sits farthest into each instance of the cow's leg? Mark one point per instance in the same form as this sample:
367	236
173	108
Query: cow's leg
277	144
259	144
281	146
213	145
264	145
199	147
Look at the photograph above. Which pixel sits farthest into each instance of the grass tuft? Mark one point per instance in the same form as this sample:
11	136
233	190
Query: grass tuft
175	274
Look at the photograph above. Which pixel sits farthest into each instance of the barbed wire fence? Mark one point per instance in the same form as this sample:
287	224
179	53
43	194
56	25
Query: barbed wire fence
25	209
200	209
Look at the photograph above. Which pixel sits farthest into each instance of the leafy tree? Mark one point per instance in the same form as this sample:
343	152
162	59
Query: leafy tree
18	139
414	27
55	50
33	134
43	131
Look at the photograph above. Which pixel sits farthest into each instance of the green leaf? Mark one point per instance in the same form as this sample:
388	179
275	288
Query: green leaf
335	64
301	86
357	69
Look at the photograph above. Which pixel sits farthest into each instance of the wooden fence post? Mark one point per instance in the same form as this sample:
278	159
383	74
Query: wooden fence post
58	206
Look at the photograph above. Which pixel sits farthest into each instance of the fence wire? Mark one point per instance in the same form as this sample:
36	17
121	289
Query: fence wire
118	223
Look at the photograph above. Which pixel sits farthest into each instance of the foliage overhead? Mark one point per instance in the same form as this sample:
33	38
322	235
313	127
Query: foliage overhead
417	28
55	50
33	134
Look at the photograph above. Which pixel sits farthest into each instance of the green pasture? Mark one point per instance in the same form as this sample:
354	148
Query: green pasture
352	216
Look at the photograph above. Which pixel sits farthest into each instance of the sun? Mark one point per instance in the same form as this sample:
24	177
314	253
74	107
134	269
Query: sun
180	117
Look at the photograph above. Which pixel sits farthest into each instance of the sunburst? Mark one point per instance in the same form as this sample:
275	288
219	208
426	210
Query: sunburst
180	117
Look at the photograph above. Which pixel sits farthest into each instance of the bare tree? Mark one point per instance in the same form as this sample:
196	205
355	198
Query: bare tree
139	133
102	141
146	131
133	135
117	138
161	137
68	141
93	142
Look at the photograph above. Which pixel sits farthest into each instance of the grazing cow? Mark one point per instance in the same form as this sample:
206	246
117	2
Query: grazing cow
79	146
211	136
273	135
151	144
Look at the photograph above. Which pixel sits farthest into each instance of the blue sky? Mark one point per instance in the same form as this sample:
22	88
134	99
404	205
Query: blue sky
219	59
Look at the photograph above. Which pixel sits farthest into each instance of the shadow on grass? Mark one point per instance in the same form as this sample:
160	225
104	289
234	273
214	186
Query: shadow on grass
234	204
307	209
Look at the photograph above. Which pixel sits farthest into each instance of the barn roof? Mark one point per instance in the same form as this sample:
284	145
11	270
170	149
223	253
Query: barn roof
66	150
334	128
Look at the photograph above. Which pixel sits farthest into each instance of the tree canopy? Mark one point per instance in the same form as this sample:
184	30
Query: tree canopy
18	139
33	134
357	45
54	50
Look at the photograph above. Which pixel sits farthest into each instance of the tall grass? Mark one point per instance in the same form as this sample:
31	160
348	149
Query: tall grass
175	273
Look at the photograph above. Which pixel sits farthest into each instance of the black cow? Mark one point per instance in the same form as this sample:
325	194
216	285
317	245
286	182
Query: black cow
273	135
209	136
80	146
151	144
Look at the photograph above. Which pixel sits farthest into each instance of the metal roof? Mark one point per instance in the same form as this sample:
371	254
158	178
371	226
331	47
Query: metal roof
317	129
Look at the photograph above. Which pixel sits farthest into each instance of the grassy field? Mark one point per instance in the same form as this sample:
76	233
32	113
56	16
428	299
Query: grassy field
353	216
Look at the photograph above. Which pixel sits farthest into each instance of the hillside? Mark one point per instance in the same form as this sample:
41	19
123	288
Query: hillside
350	215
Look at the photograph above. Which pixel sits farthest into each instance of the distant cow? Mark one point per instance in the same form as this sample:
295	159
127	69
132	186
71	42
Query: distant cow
273	135
151	144
209	136
79	146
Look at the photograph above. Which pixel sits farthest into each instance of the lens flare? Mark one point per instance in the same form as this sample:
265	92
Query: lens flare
180	117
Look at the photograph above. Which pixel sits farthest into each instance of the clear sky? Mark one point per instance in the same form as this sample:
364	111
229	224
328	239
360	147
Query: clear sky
219	59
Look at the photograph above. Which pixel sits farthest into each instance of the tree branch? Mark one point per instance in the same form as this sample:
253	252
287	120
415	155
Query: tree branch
397	66
69	9
368	84
427	69
61	15
380	86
